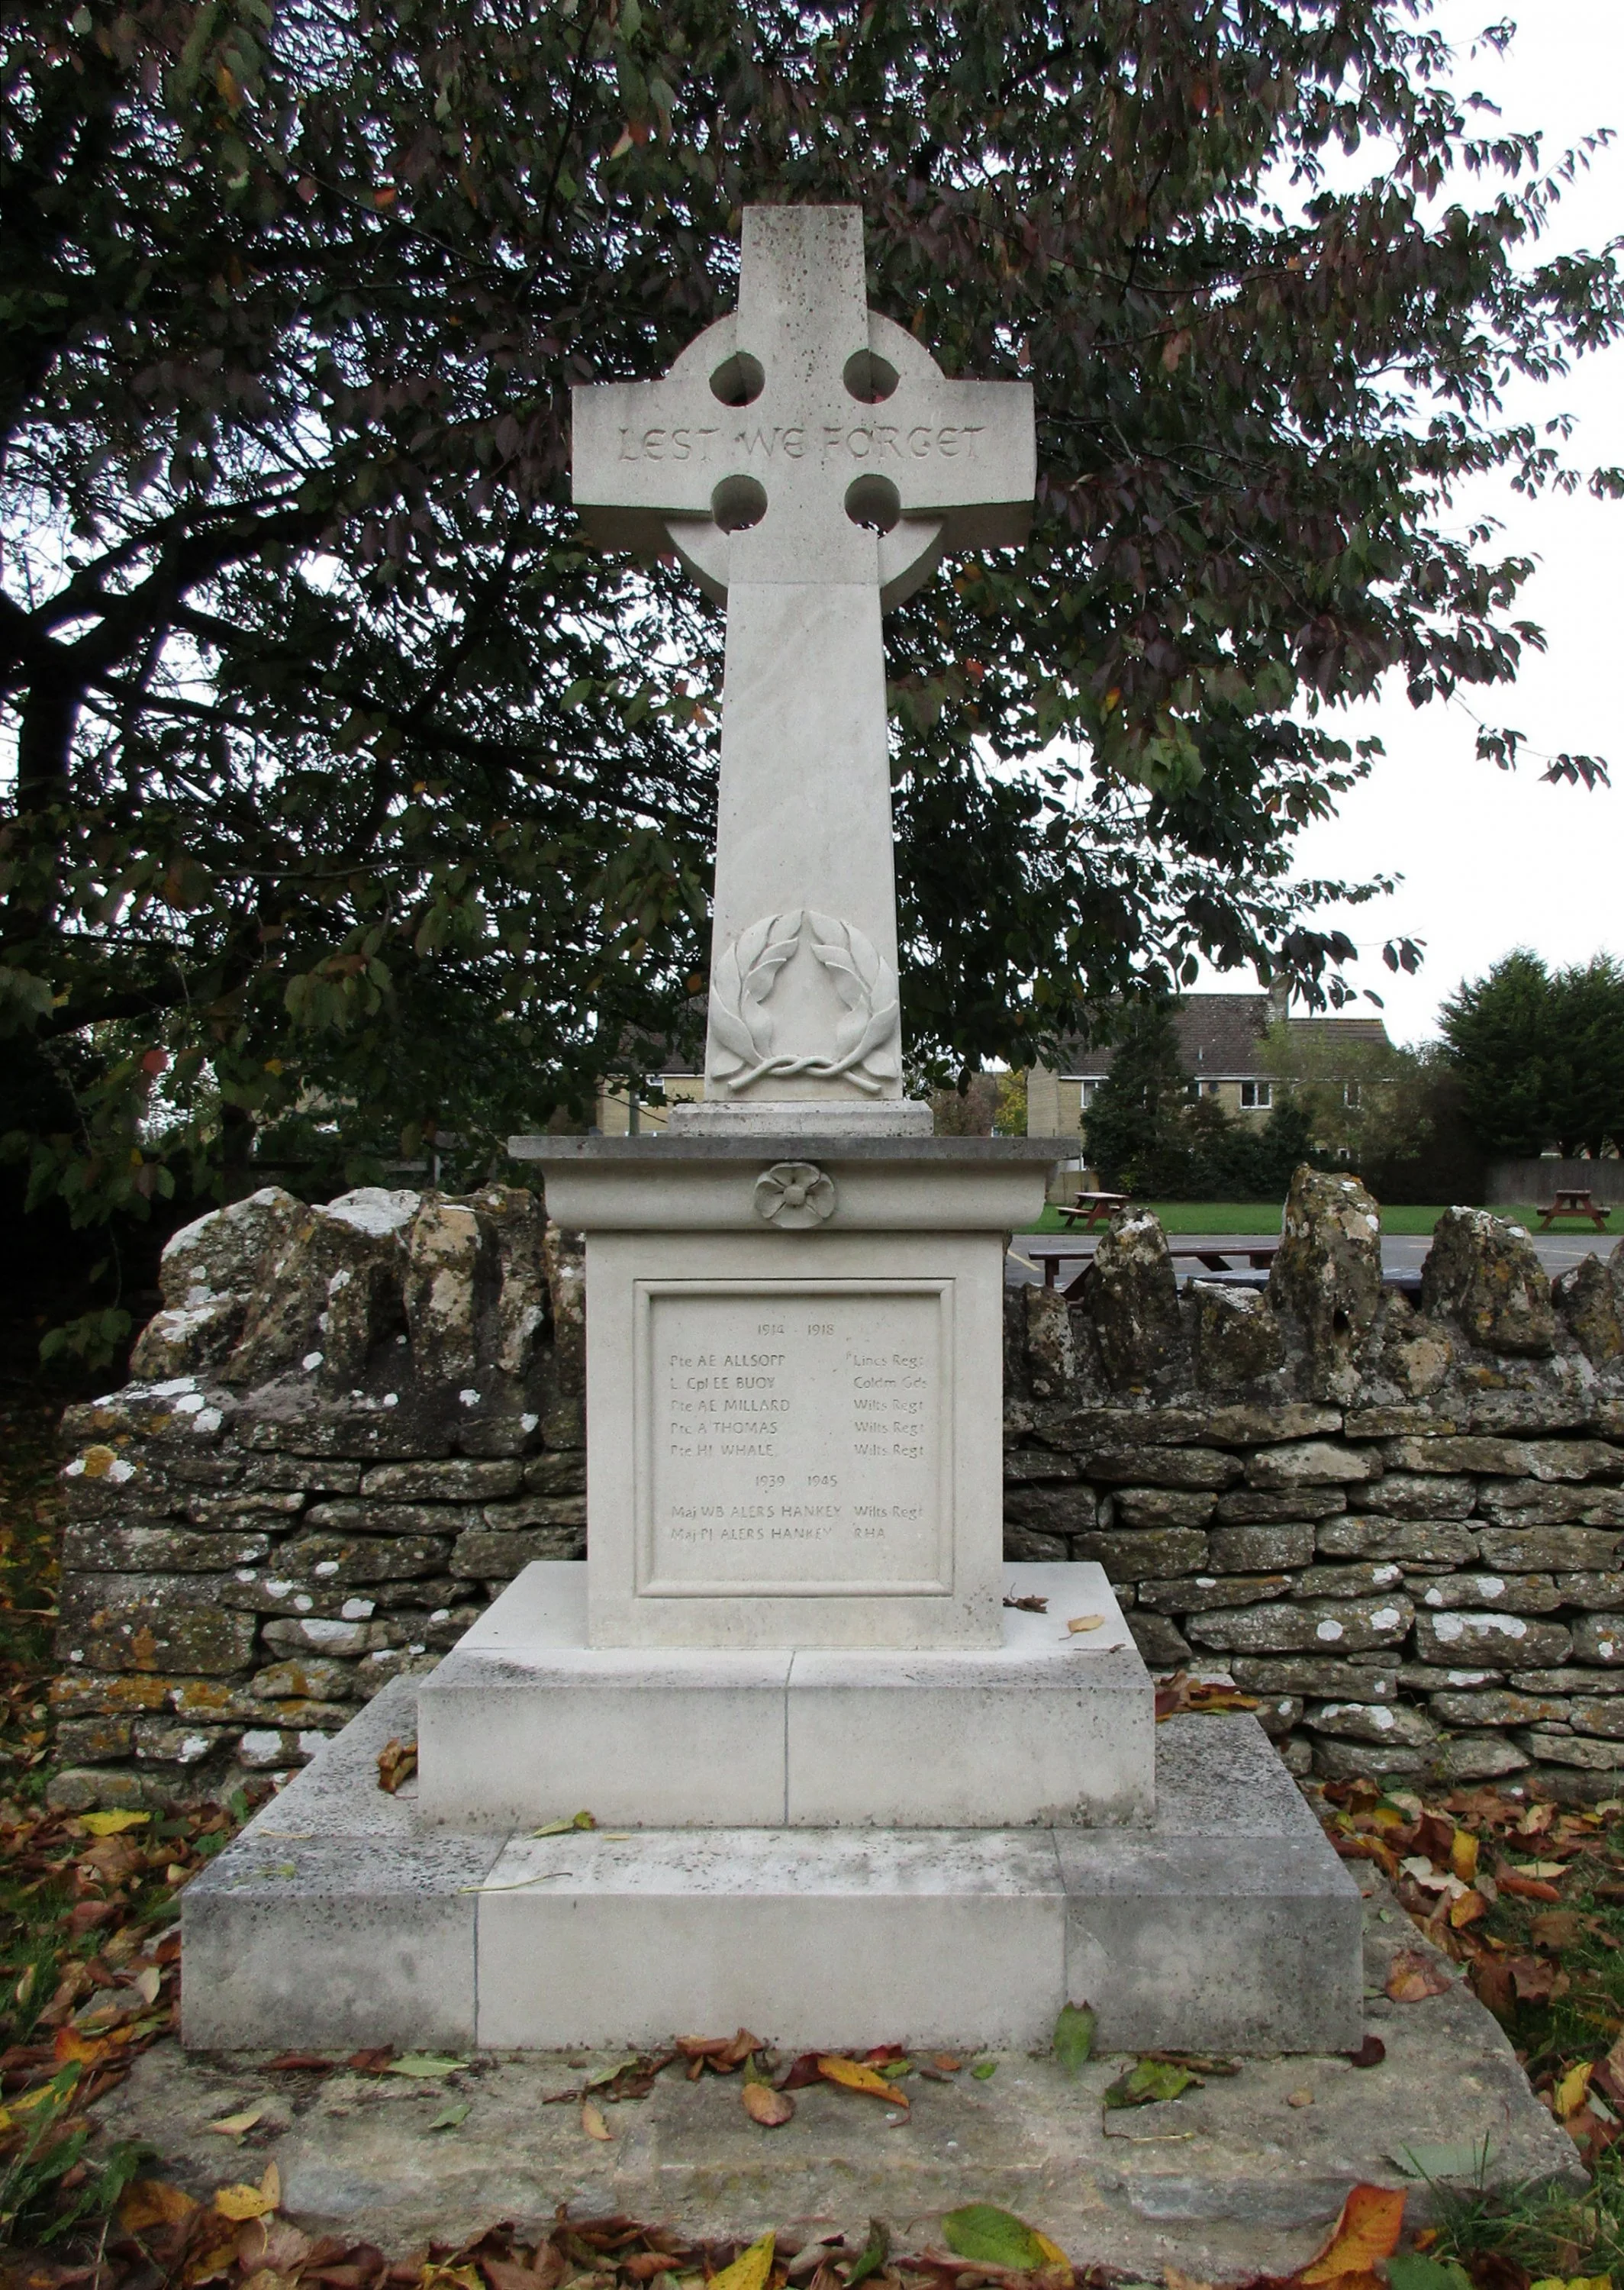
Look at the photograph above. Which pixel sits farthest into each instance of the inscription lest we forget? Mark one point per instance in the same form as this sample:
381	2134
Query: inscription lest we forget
861	442
795	1438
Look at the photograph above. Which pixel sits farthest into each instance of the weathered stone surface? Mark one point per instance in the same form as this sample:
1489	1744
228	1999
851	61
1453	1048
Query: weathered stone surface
1316	1677
1196	1594
1604	1592
1457	1637
1163	1467
442	1248
1498	1708
309	1633
1026	1467
1518	1502
156	1549
170	1743
1511	1594
514	1216
491	1428
330	1293
1283	1507
94	1741
1604	1718
300	1474
565	1474
1277	1718
1030	1544
242	1510
1479	1758
1146	1506
1361	1579
361	1514
460	1478
1590	1756
1415	1542
536	1511
1349	1625
153	1622
1311	1462
1346	1761
1051	1362
188	1336
1409	1421
486	1558
1260	1423
1558	1395
1416	1677
1129	1557
78	1693
1134	1300
1573	1680
1327	1273
1405	1494
1589	1297
1599	1639
365	1431
1258	1549
309	1678
1074	1428
1238	1338
1064	1510
221	1252
1367	1721
1162	1645
1486	1457
1416	1354
338	1560
1485	1275
1567	1550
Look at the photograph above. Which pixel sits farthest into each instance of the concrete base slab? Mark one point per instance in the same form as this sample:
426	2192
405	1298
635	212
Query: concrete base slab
524	1721
1229	2180
340	1918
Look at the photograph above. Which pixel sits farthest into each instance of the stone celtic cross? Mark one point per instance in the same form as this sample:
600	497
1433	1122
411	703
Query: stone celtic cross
810	463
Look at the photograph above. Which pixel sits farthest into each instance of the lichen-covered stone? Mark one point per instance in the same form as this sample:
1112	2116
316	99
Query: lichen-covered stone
460	1478
1238	1338
1129	1556
1326	1273
1589	1297
442	1248
1025	1467
1311	1462
1511	1594
1358	1581
1447	1454
1134	1299
170	1742
188	1336
1349	1626
514	1218
1262	1423
1260	1550
1316	1677
222	1253
153	1622
156	1549
1416	1354
309	1677
1346	1761
1285	1507
1415	1494
335	1637
1572	1679
360	1515
1148	1506
1601	1591
1528	1502
1479	1758
1063	1510
1372	1721
1277	1718
301	1475
338	1561
329	1293
564	1262
535	1511
1485	1275
1413	1542
1599	1639
1162	1645
1603	1717
94	1741
1556	1550
1558	1748
1455	1637
1050	1360
492	1558
565	1474
1499	1707
1163	1467
1196	1594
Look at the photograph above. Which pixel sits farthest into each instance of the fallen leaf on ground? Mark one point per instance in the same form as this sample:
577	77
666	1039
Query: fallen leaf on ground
874	2252
1029	1605
1085	1622
1370	2054
834	2067
563	1828
750	2269
1368	2227
1555	1928
1526	1888
592	2121
424	2064
1569	2095
1300	2099
984	2070
1536	1979
1409	2270
111	1824
1147	2081
396	1763
233	2126
449	2118
1444	2159
765	2106
1467	1909
1411	1977
988	2236
947	2062
372	2062
1074	2036
1182	1695
154	2202
244	2202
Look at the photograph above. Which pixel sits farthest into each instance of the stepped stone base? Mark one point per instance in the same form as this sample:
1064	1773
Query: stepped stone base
524	1720
340	1919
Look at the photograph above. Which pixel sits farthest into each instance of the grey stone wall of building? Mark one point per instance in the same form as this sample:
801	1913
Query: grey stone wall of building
1400	1523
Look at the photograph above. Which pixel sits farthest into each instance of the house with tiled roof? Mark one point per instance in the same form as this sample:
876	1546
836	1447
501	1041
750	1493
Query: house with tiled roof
1221	1044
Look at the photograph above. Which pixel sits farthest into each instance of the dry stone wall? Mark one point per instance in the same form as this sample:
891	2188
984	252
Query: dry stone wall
1399	1523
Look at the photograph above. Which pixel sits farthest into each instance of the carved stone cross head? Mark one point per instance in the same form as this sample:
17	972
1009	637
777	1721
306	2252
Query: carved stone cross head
804	438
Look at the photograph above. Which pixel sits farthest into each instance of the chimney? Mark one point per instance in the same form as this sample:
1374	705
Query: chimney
1279	1002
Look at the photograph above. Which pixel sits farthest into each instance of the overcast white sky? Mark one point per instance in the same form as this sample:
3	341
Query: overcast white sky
1493	861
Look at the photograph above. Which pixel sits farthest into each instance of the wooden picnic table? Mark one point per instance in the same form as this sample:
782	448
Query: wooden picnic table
1091	1208
1051	1254
1574	1202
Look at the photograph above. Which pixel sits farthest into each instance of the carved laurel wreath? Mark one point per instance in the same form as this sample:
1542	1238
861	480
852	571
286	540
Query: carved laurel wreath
746	973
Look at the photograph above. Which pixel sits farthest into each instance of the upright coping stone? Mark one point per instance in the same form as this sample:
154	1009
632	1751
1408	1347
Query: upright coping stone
810	463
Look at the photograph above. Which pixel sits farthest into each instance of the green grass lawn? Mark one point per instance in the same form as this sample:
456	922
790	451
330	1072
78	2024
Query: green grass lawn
1263	1217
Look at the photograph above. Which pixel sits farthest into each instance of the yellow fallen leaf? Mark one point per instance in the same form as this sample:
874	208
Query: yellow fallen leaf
764	2105
592	2122
148	1984
1544	1869
232	2126
1085	1622
154	2202
1368	2227
242	2203
111	1824
851	2076
1052	2251
1572	2093
1463	1856
750	2269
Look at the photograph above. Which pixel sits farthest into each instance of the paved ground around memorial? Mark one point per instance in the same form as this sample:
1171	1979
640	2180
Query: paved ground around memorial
1243	2174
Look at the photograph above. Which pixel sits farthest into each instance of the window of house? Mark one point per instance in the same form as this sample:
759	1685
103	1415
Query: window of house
1257	1096
1089	1091
1350	1095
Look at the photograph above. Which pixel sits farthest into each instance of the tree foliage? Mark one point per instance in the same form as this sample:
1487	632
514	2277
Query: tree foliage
1539	1055
355	798
1150	1133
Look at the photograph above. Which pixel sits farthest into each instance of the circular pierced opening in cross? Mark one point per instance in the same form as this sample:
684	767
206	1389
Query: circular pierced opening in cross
739	380
873	502
869	377
738	503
